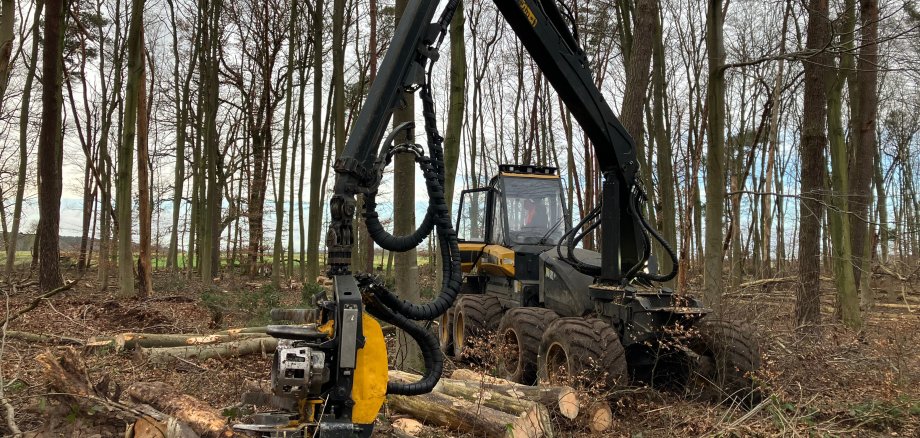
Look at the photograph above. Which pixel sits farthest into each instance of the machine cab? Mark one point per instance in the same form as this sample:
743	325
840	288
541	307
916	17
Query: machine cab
522	206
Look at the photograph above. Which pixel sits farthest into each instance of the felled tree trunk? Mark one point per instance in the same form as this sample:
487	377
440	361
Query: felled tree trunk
201	352
559	399
132	341
532	417
201	417
443	410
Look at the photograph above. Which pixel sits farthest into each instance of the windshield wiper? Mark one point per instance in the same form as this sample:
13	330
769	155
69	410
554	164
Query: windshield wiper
550	231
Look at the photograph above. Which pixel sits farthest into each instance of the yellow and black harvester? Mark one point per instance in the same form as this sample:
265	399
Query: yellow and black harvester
513	266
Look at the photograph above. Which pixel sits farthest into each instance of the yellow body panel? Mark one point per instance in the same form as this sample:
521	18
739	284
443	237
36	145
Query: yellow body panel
369	390
495	260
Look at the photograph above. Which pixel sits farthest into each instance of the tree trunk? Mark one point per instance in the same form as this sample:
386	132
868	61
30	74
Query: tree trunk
165	355
865	148
715	157
316	160
663	142
181	107
409	356
277	250
203	419
7	23
12	242
144	270
51	148
209	262
456	414
841	224
813	144
638	62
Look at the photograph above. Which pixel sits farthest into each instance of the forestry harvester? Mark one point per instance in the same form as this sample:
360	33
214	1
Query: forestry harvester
511	266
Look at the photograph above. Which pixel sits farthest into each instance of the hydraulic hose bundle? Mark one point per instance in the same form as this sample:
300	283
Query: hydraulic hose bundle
384	304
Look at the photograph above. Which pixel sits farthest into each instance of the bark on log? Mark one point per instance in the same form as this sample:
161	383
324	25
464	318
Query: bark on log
460	415
66	373
467	374
131	341
559	399
201	417
201	352
236	331
535	417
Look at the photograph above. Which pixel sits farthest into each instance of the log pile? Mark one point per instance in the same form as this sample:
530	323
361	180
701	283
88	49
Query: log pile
471	402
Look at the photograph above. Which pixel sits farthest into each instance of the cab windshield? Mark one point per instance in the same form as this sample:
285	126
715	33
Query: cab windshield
534	210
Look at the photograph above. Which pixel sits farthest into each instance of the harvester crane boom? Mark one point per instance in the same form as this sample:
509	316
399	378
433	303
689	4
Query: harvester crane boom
542	28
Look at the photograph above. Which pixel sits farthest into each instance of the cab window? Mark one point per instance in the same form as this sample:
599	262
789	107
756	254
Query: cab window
534	210
471	223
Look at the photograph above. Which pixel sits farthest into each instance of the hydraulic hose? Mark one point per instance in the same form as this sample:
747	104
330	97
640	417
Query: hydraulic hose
375	229
667	248
635	209
427	342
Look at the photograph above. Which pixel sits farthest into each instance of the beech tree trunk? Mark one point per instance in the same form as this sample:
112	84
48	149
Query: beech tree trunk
813	162
866	145
409	356
51	148
12	242
144	270
715	159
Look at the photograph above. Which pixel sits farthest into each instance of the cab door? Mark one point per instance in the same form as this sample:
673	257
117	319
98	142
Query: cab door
473	225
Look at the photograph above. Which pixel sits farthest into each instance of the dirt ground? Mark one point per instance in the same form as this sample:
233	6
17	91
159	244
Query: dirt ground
845	383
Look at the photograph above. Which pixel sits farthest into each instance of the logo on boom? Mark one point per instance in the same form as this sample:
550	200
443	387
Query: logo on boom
529	13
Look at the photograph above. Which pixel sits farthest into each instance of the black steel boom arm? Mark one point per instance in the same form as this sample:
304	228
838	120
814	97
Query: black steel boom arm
542	29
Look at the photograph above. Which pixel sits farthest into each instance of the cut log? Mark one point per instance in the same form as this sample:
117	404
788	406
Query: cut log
408	426
131	341
170	427
535	416
201	417
558	399
597	416
227	349
460	415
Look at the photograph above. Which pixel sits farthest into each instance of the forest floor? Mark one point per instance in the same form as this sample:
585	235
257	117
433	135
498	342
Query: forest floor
848	383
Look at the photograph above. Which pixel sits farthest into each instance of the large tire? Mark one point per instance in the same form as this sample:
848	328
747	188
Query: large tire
446	331
520	332
582	352
729	358
475	316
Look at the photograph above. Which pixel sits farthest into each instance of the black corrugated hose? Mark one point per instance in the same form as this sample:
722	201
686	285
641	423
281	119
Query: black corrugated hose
389	307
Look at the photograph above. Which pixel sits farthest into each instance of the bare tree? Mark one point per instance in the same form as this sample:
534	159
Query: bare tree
715	157
813	162
51	147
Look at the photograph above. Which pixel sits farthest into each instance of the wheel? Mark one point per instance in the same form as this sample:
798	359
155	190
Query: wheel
474	316
729	356
520	331
446	331
582	352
